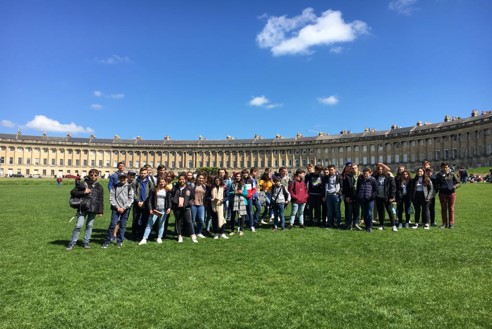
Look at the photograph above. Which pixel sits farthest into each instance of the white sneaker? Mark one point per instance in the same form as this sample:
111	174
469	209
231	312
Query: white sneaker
394	229
180	239
216	236
426	227
201	236
381	228
223	236
241	233
144	241
194	239
159	240
416	225
253	229
232	233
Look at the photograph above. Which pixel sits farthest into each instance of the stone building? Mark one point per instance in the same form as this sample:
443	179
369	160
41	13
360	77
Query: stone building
460	141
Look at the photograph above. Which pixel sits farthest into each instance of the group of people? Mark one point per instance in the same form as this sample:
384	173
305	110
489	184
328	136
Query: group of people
209	205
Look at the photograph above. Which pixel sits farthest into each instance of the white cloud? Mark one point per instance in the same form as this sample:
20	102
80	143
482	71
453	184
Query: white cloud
115	59
43	123
262	101
96	107
331	100
336	50
404	7
259	101
99	94
297	35
7	124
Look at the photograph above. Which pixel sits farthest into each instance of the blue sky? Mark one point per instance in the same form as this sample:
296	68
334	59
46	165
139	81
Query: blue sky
216	68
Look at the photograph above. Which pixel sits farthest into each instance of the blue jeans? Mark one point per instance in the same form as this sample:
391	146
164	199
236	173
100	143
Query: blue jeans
333	209
198	212
352	213
366	212
278	212
78	226
297	207
150	224
115	218
253	217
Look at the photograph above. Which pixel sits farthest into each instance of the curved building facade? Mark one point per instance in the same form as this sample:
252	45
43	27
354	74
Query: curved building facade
460	141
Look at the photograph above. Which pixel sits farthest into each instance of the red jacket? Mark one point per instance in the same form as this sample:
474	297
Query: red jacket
298	191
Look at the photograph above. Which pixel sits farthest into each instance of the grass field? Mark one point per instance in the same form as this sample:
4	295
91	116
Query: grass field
312	278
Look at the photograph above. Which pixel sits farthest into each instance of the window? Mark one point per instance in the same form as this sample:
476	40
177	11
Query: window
61	162
69	162
53	162
19	161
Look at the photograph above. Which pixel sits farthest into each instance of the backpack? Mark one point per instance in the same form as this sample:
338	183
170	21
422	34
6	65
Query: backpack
76	202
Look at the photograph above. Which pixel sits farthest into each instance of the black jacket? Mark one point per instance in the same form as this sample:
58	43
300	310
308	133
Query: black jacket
96	204
389	187
349	182
152	200
367	190
187	193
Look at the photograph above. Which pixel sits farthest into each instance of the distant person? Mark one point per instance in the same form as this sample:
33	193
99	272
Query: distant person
352	205
121	200
89	188
403	183
217	200
432	205
447	183
58	181
333	190
315	191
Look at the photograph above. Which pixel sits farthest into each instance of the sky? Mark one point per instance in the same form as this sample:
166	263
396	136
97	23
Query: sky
211	69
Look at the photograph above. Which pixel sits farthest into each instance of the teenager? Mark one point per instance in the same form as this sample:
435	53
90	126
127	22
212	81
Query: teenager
182	194
141	187
299	197
266	184
198	204
93	191
385	196
367	190
121	199
159	203
422	191
113	179
403	182
315	191
217	201
238	202
332	192
280	200
447	183
352	207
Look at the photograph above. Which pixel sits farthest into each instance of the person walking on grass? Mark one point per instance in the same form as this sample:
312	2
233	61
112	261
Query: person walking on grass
447	183
93	191
182	194
121	200
422	191
159	203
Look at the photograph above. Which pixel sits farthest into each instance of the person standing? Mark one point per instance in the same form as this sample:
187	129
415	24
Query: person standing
141	187
182	194
352	207
198	204
280	200
315	191
121	199
217	200
447	183
422	191
367	190
299	197
385	196
93	191
403	184
432	204
113	179
332	183
159	203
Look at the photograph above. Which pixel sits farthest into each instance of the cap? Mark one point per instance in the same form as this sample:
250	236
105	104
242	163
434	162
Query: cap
122	175
132	173
349	163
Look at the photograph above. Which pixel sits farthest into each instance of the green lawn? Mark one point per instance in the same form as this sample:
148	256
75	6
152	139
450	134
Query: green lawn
312	278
